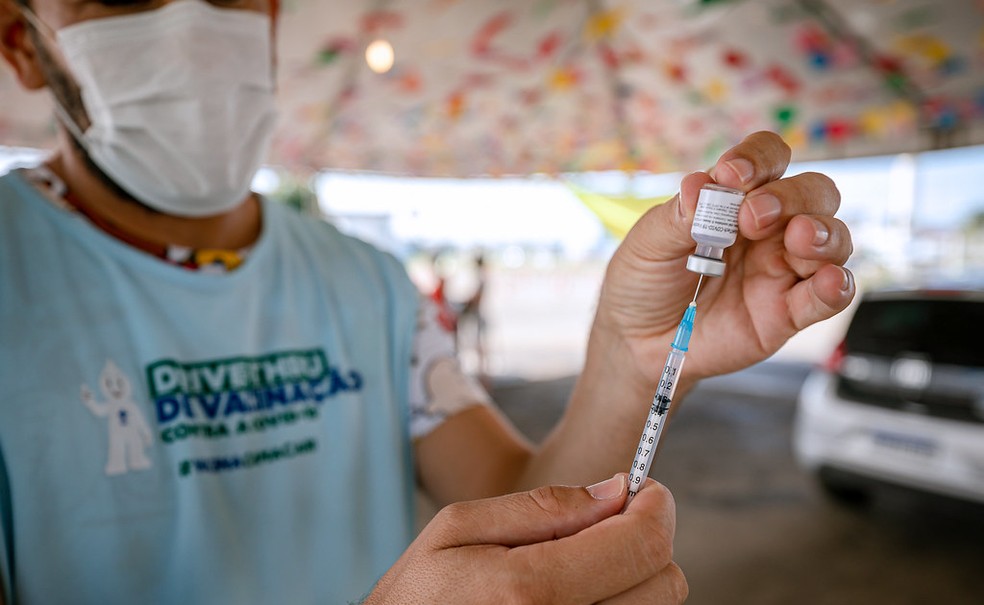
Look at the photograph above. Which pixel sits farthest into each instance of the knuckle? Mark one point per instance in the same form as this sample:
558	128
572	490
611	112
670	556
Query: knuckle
772	139
678	583
824	186
785	149
767	150
818	179
781	145
451	513
547	498
450	520
765	136
665	496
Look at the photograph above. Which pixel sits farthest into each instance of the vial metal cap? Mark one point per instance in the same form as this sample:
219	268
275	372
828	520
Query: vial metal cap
723	189
705	266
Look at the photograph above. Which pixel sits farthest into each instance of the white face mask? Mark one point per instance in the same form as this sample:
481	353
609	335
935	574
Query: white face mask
180	100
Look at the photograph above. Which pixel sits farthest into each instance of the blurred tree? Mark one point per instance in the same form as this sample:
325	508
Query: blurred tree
973	233
976	222
296	192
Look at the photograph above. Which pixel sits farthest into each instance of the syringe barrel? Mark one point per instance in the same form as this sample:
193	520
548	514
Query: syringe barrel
658	414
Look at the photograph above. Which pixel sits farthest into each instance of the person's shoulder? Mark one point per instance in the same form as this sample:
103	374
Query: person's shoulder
11	184
303	227
297	223
15	191
326	239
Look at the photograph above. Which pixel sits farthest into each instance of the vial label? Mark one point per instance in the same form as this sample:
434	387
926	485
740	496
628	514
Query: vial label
717	215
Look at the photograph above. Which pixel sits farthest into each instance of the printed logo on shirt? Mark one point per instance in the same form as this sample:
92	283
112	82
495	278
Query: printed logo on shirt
129	433
218	398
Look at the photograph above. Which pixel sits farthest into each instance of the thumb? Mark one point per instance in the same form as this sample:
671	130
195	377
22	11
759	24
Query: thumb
663	233
545	513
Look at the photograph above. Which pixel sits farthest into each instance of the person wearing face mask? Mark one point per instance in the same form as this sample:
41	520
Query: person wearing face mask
210	399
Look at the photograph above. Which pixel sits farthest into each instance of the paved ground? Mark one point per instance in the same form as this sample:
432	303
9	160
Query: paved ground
754	530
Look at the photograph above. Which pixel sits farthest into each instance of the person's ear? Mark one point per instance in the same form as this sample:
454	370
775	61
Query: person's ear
17	46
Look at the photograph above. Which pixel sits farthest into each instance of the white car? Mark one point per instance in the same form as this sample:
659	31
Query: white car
901	400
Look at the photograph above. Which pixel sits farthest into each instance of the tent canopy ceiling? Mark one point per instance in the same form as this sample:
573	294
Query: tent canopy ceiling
496	87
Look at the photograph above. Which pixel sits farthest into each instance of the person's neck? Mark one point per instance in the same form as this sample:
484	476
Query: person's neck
235	229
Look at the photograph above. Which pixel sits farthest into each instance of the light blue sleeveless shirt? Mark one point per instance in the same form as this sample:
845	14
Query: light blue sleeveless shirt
169	436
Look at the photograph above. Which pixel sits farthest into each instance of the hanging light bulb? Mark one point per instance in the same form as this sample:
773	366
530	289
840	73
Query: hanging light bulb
380	56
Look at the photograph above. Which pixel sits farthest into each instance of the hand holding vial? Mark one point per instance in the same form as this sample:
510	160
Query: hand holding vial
785	269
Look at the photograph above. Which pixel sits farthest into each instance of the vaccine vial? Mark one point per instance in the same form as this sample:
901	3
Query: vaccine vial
715	228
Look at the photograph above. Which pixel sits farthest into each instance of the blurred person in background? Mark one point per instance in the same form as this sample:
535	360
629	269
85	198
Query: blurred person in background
211	399
471	321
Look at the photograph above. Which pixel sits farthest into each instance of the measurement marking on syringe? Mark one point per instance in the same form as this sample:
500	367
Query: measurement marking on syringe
660	407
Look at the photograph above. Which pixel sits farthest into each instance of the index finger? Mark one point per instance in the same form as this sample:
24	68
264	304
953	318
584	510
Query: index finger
607	558
769	208
759	158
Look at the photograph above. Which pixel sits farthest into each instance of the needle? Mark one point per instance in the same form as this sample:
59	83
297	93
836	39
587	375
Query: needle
699	281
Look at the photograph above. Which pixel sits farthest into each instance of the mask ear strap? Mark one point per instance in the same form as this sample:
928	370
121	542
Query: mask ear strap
69	123
35	21
45	30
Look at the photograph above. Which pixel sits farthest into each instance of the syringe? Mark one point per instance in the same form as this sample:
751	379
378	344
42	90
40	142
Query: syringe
659	411
715	228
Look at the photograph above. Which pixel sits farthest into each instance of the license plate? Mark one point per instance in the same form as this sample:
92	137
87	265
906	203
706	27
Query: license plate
908	444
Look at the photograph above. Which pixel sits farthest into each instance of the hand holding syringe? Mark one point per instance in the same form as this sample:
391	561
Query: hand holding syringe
715	228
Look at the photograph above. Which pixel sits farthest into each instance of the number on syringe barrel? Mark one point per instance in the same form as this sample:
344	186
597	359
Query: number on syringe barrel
665	386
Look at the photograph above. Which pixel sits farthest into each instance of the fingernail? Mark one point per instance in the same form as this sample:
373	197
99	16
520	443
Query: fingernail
607	489
742	168
765	208
822	235
848	280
